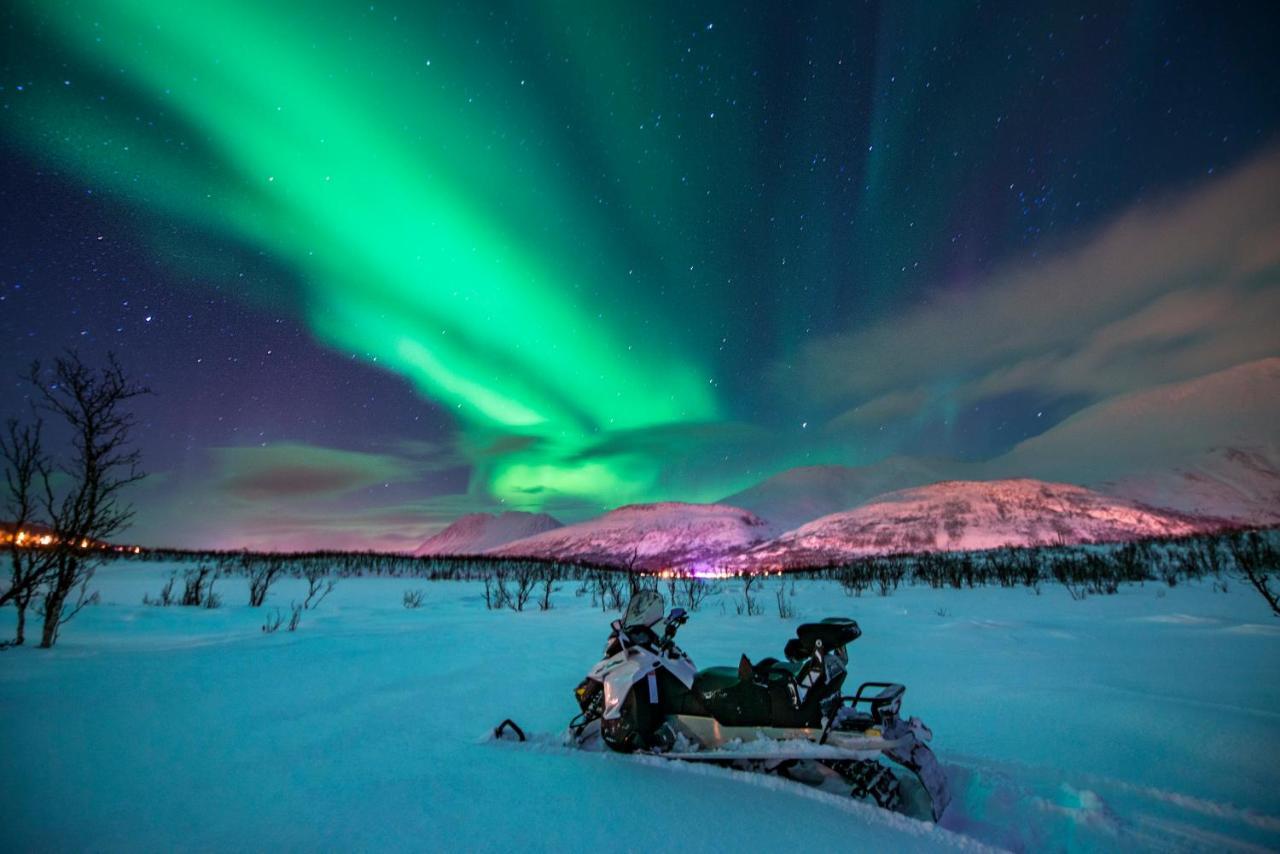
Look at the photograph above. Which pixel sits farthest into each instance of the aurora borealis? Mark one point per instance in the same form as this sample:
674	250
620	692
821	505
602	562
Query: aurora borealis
385	263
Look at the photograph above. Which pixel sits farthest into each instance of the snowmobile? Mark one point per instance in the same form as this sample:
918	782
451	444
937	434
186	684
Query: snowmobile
782	716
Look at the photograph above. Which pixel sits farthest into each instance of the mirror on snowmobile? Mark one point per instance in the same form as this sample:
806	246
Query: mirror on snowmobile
674	621
645	609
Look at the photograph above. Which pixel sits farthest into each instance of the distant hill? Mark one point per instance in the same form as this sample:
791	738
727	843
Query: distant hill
649	536
1207	446
479	532
799	495
1173	459
971	515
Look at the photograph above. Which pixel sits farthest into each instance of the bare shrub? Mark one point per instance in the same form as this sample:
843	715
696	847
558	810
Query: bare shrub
165	599
319	585
262	573
274	620
495	590
690	592
547	578
198	587
525	582
413	599
749	604
786	608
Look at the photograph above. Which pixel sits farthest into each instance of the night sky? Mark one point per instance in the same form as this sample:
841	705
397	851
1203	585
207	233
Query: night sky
386	264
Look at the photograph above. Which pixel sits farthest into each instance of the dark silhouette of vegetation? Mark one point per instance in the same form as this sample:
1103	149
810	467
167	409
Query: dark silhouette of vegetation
1083	571
26	471
76	503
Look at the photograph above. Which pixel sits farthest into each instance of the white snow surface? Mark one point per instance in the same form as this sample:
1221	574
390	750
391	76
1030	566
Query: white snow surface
1144	721
971	515
478	532
655	535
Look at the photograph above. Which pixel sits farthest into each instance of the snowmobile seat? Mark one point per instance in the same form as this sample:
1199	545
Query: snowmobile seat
715	680
790	668
832	633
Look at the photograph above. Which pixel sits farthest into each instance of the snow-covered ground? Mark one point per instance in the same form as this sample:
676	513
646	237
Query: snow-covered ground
1149	720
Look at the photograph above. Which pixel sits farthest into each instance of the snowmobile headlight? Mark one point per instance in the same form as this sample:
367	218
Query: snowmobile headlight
585	693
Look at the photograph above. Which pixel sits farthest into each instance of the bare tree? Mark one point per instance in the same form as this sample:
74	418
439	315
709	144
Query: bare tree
749	605
519	597
547	577
26	470
90	510
786	607
1256	560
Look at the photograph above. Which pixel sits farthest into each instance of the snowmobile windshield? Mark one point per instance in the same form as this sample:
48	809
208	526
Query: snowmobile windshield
645	609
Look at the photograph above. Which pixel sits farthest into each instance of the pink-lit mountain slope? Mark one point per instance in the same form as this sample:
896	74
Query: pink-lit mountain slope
970	515
649	536
795	496
478	532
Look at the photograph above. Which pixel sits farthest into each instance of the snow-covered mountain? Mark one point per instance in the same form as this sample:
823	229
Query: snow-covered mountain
1207	446
649	536
479	532
971	515
1168	460
1238	484
799	495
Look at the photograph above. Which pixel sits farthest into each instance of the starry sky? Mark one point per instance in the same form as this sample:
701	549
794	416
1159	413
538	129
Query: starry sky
384	264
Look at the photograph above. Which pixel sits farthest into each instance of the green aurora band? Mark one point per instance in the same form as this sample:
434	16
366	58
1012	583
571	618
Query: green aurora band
428	222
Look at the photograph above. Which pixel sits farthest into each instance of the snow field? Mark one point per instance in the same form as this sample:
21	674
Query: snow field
1149	720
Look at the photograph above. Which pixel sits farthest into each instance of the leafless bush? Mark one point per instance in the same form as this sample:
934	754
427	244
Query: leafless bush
524	584
165	599
495	590
274	619
786	608
749	604
547	578
262	574
319	585
197	589
612	589
690	592
413	598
